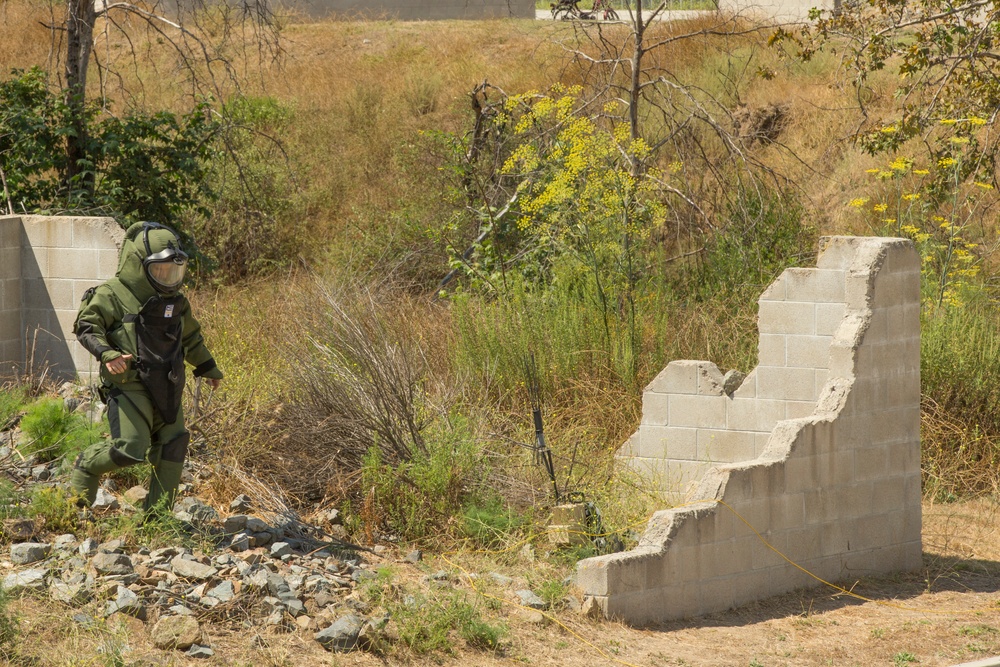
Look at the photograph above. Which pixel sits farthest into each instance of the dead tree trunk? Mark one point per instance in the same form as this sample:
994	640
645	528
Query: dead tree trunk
81	15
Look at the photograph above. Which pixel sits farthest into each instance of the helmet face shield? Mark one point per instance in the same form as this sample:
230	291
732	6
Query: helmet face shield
167	274
165	263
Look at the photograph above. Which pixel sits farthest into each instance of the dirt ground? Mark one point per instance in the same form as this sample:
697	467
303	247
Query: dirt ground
947	613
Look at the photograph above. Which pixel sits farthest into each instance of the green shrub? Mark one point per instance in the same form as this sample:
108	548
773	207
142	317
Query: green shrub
53	432
57	507
490	524
418	497
12	400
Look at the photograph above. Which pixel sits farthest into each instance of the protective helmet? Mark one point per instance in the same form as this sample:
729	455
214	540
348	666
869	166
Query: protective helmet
164	261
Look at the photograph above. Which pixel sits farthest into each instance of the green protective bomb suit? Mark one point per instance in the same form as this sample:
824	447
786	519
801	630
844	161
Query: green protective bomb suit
141	317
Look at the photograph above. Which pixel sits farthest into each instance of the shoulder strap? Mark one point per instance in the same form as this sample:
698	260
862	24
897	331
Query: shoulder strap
131	304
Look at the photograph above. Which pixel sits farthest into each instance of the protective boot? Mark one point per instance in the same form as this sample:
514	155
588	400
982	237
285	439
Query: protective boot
167	471
90	465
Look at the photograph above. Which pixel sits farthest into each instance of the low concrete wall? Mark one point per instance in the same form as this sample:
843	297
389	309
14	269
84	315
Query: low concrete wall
818	449
410	10
46	264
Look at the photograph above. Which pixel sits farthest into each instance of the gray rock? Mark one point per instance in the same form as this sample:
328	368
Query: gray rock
88	546
28	580
180	610
126	602
223	592
64	541
591	609
255	525
191	569
279	549
112	564
415	556
40	473
234	524
572	604
294	607
530	600
29	552
271	604
276	618
240	542
105	501
361	575
175	632
136	496
342	635
261	539
115	546
199	652
501	579
241	503
732	380
75	595
194	511
335	518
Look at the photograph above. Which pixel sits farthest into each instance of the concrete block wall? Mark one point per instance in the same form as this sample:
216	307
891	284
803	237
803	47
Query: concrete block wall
411	10
818	450
46	264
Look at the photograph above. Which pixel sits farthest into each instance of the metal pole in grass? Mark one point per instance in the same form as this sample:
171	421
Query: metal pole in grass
542	453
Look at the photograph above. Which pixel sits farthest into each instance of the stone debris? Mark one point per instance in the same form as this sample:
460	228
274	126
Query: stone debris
28	580
530	600
342	635
112	564
29	552
240	504
176	632
105	501
191	569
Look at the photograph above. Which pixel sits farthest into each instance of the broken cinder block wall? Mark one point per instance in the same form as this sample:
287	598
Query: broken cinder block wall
818	450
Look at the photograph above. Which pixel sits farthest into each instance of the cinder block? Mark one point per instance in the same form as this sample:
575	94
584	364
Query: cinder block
64	320
807	351
10	326
10	232
48	232
653	442
710	381
761	441
717	594
801	473
10	263
794	384
771	350
725	445
768	550
655	409
799	409
754	415
815	285
107	265
60	294
857	288
870	463
786	317
34	262
679	377
775	291
889	494
80	264
592	576
835	538
803	543
837	252
828	318
698	411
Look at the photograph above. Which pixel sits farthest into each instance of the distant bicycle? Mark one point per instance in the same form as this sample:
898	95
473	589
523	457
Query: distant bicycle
567	10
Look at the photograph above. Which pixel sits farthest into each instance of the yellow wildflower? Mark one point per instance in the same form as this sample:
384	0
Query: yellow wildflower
912	196
889	221
946	162
948	121
889	129
984	186
959	140
872	171
976	120
921	172
675	167
901	164
858	202
880	208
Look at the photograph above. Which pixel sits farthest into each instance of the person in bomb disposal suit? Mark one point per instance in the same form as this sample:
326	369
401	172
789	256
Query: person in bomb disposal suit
140	328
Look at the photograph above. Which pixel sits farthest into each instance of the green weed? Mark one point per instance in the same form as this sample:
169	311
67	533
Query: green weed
57	507
10	629
12	401
903	657
52	432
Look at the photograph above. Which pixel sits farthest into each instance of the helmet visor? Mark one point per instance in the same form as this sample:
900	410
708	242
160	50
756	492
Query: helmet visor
167	273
